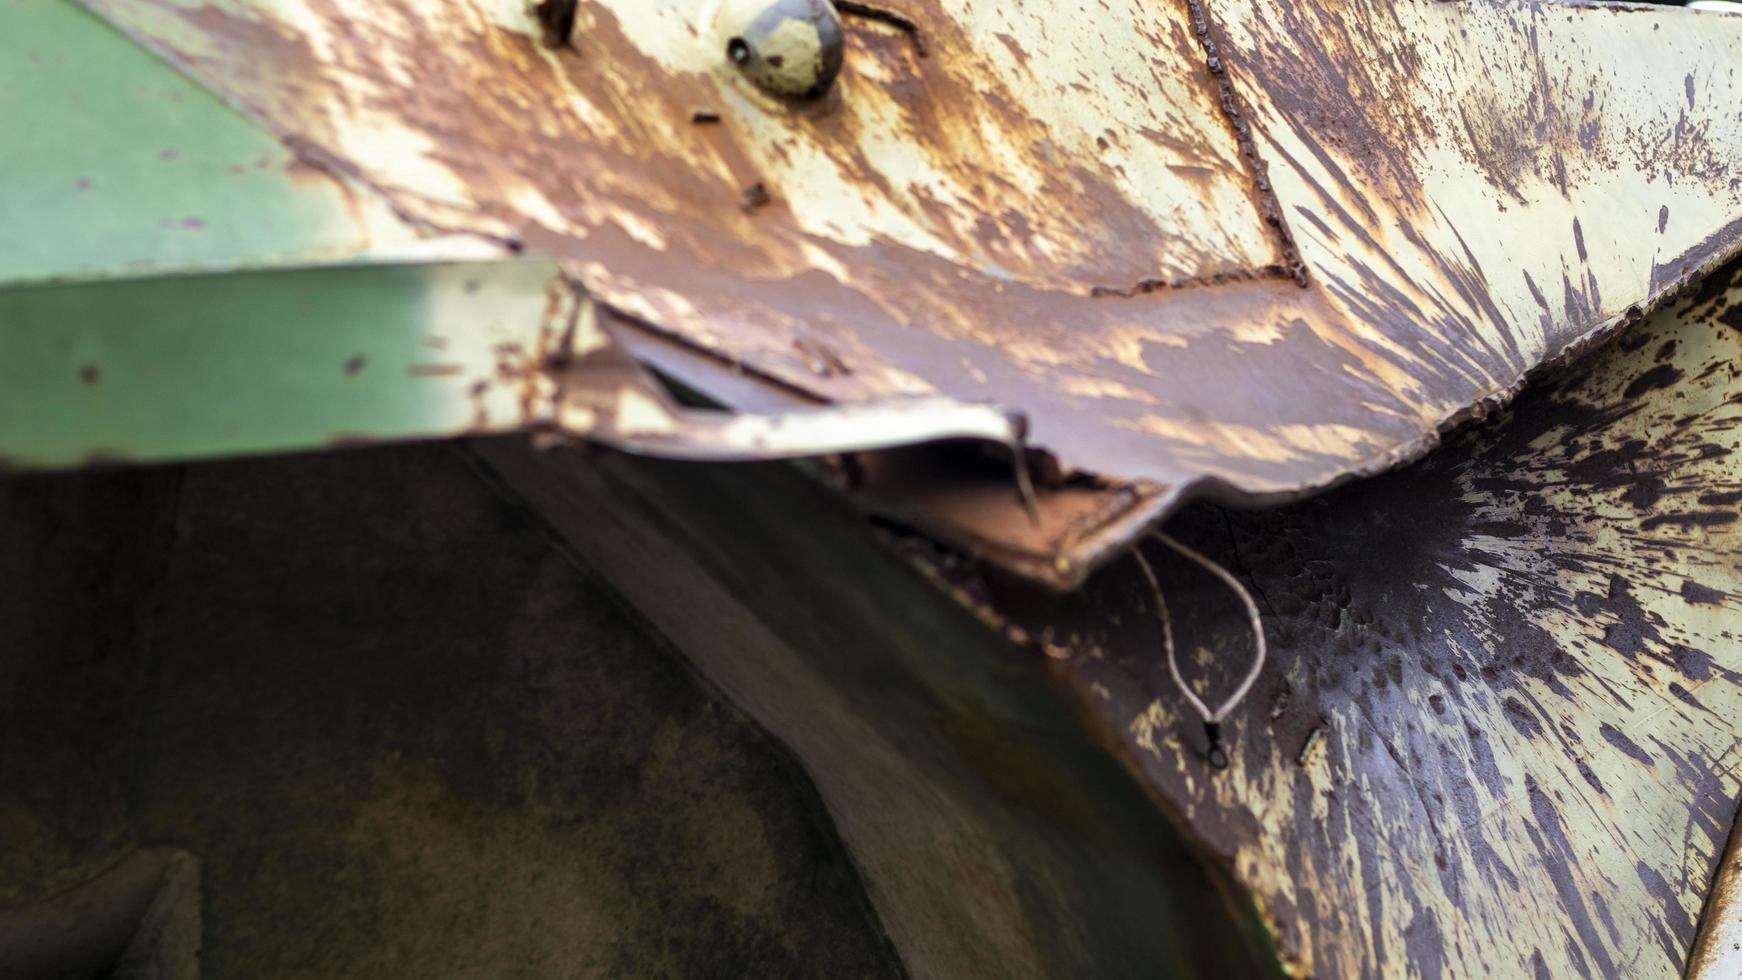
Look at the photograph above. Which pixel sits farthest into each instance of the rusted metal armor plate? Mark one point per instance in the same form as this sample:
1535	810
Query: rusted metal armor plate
1501	732
1237	249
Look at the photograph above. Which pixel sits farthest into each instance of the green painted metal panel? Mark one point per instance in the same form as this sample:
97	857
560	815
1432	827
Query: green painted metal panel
189	366
113	163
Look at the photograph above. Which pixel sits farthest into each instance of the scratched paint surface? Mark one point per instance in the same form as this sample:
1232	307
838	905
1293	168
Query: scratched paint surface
1481	185
941	224
1501	734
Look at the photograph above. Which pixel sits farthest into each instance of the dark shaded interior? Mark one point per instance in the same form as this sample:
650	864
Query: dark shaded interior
400	731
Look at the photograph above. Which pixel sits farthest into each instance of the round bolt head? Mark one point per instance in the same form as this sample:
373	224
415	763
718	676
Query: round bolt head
788	48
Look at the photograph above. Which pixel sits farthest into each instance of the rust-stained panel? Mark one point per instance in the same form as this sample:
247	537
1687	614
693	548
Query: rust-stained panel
1101	216
1501	730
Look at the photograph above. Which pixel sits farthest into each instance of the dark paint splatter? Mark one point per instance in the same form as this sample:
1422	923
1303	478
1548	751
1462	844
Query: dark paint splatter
1694	592
1617	738
1521	718
1661	376
1680	934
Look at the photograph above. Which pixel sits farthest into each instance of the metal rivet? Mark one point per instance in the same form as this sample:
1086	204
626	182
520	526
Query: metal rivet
789	48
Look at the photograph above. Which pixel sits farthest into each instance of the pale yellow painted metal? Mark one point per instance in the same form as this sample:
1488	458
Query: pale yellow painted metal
1492	171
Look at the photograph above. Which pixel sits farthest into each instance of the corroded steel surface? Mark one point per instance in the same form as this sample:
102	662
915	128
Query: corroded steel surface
1501	733
1227	248
600	392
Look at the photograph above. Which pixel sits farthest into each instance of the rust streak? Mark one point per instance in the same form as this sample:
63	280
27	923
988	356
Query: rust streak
1257	171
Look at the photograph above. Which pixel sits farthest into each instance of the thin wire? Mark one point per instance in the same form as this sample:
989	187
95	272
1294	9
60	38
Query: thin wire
1167	632
1253	621
1212	719
1019	458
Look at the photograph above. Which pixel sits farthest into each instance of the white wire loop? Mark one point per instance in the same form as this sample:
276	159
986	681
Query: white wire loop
1218	756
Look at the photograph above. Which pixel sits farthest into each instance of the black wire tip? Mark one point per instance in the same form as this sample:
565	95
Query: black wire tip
1218	756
